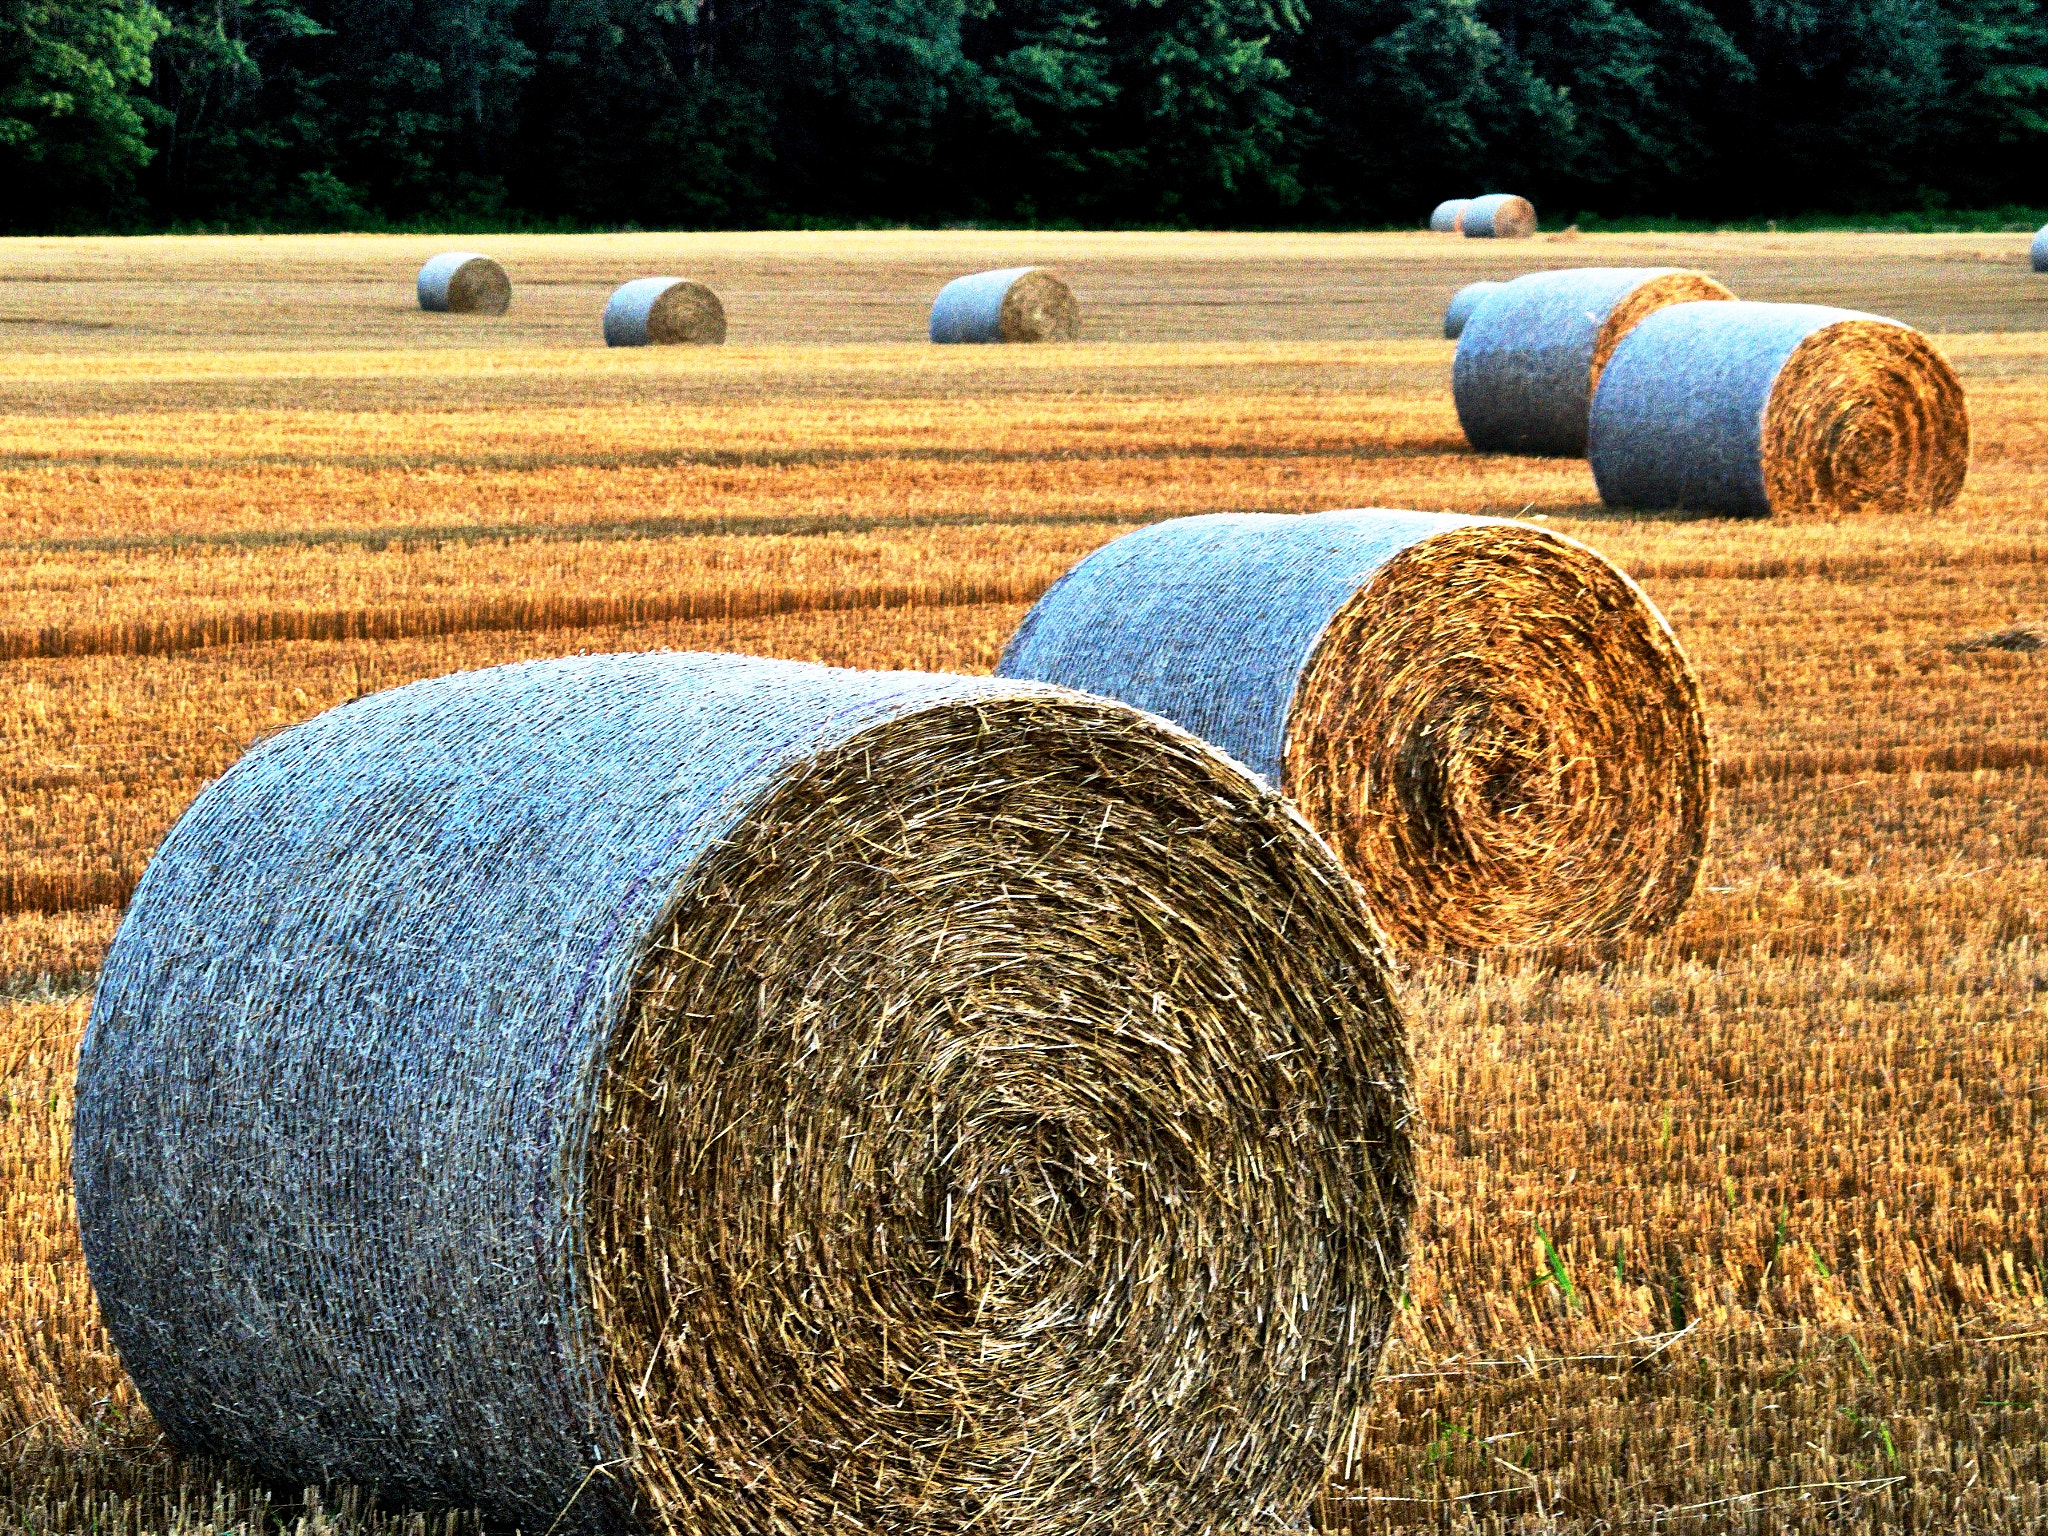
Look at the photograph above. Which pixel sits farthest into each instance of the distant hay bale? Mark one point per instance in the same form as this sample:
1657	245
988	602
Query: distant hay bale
1491	724
1750	410
1014	304
2038	251
1525	373
1499	216
663	312
464	283
1463	302
699	1093
1449	216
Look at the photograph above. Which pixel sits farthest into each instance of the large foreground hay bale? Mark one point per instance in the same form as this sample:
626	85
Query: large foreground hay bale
1448	218
1014	304
1527	367
663	312
1499	216
706	1094
2038	251
1458	313
1490	723
464	283
1753	409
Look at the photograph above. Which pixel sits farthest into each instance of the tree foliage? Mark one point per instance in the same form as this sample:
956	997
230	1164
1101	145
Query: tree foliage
326	113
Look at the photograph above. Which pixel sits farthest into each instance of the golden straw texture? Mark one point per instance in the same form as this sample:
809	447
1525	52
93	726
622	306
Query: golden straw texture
1865	417
1051	1245
715	1095
1505	744
1040	307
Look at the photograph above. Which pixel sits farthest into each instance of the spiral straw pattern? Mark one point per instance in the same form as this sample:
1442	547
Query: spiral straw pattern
703	1094
1491	724
1754	410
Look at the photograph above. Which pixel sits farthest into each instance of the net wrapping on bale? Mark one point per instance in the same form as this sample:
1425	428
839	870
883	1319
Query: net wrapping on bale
1499	216
1013	304
663	312
1448	217
2037	253
1757	409
1526	368
1491	724
464	283
1458	313
718	1095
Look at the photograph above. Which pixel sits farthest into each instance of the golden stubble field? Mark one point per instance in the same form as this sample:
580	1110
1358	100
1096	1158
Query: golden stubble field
1738	1229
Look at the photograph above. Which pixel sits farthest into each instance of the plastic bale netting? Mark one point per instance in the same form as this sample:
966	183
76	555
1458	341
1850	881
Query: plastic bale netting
1448	217
464	283
1526	368
1499	216
2037	253
663	312
1458	313
1753	410
705	1094
1014	304
1492	725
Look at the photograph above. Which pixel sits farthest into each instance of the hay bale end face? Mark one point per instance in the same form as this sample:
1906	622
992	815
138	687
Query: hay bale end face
464	283
1499	216
1448	218
1491	724
700	1093
1527	365
1753	410
1458	313
1014	304
663	312
2037	253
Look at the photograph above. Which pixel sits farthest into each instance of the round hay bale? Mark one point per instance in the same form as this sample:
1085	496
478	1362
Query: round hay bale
1490	723
1751	410
700	1093
1526	370
1015	304
1499	216
663	312
1449	216
464	283
1463	302
2038	251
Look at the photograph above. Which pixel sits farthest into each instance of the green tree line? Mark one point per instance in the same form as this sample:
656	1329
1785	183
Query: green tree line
122	114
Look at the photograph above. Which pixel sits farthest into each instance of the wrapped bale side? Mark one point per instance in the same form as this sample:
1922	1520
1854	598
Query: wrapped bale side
700	1093
1499	216
1751	410
1014	304
1492	725
1458	313
1448	218
464	283
663	312
1528	364
2038	251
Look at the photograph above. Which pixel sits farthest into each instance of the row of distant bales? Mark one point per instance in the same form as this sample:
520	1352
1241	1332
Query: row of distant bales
1014	304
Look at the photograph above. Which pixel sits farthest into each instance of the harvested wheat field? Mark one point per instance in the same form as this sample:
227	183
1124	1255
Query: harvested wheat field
1737	1227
